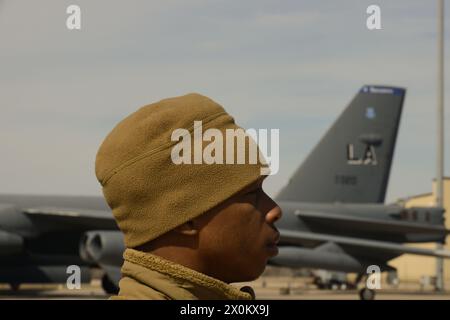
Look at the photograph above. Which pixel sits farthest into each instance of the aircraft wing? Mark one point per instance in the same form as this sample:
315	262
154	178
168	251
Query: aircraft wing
371	224
300	238
73	219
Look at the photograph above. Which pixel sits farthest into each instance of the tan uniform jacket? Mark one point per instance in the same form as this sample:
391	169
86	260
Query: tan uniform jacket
147	276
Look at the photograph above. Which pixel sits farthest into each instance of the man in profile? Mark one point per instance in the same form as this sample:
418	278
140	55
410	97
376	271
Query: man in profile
190	229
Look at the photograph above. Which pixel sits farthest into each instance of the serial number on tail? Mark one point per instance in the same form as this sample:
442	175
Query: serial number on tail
347	180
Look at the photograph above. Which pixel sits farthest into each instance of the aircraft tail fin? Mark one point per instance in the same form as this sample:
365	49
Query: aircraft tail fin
352	161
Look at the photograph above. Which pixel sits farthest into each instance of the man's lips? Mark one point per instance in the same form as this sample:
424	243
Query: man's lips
274	240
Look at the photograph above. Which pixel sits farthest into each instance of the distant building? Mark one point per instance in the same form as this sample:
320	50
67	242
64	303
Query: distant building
420	269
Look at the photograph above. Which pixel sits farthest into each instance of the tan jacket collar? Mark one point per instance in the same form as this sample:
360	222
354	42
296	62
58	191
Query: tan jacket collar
177	281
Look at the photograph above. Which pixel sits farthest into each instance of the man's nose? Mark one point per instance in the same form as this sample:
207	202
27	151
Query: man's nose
274	214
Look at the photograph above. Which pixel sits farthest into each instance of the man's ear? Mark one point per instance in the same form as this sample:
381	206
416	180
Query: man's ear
189	228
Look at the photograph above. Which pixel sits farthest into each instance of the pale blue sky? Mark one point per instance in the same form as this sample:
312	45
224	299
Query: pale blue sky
292	65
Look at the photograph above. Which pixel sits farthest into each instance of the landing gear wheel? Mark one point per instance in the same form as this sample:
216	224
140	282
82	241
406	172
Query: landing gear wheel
108	286
367	294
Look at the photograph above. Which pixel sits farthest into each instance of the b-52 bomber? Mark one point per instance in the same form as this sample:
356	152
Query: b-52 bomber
334	216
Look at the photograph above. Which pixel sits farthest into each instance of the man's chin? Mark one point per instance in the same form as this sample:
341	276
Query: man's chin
272	250
254	275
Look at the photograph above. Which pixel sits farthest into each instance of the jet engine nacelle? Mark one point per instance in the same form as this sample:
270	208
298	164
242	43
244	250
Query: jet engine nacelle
102	247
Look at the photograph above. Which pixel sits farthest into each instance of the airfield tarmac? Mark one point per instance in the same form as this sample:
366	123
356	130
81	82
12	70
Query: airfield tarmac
271	288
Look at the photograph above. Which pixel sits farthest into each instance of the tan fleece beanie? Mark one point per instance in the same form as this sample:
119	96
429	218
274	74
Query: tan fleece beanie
149	194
